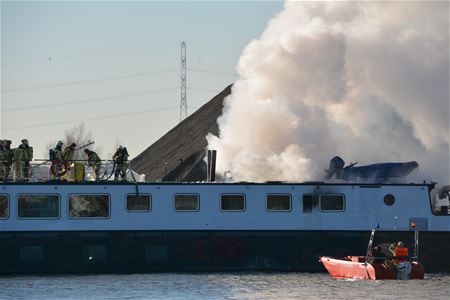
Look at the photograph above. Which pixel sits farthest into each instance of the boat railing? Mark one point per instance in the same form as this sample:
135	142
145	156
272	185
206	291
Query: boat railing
369	245
414	257
416	245
40	170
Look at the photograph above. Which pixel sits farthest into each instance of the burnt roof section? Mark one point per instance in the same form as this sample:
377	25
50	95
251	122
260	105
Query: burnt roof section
179	154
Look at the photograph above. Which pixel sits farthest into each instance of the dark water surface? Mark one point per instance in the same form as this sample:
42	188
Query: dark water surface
219	286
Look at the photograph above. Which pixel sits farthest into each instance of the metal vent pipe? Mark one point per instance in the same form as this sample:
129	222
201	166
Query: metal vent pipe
211	166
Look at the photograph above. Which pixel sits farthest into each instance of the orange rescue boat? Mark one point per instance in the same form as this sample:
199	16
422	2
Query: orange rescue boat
355	267
375	268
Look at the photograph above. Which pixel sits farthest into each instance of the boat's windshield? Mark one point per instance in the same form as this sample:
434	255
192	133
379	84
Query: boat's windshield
440	201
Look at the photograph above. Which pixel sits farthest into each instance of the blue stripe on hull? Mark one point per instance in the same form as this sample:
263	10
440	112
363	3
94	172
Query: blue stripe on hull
156	251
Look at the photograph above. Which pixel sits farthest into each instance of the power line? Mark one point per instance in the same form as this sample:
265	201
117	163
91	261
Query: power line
91	119
213	72
87	81
88	100
26	61
98	99
142	49
202	89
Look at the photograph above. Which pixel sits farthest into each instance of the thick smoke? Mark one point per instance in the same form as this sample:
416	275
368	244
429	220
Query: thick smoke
366	81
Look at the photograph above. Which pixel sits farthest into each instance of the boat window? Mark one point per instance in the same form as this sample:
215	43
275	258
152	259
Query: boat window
389	199
187	202
4	207
307	203
332	202
440	201
38	206
89	206
139	202
232	202
279	202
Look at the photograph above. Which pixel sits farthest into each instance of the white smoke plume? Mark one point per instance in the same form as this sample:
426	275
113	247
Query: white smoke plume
366	81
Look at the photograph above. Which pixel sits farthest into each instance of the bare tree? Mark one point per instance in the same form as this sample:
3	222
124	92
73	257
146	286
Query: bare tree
80	136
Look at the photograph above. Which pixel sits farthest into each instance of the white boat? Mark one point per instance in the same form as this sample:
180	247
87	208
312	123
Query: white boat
141	227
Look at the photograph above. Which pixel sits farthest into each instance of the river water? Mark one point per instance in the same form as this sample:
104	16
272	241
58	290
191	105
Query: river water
219	286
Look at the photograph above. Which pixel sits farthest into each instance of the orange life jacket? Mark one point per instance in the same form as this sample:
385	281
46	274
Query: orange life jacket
401	251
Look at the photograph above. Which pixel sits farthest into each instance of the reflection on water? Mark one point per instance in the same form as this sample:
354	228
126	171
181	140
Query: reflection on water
218	286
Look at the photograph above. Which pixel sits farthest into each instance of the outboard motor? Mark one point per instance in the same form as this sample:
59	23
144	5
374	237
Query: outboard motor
336	165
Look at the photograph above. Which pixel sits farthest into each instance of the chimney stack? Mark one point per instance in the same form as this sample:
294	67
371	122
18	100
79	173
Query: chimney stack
211	166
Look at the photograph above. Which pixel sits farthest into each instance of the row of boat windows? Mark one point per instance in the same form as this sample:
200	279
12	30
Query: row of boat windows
98	205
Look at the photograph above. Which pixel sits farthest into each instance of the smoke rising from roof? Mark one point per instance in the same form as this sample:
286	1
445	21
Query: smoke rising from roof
366	81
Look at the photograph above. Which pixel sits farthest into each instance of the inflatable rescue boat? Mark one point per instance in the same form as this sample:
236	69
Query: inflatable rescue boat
375	267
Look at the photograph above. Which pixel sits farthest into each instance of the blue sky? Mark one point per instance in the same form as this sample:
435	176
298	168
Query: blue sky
115	65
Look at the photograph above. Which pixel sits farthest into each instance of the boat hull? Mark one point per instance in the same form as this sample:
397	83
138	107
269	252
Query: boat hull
354	267
195	251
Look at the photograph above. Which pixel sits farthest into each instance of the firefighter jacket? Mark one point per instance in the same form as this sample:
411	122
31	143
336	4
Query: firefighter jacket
25	152
93	159
28	153
68	153
3	156
19	154
9	156
56	154
121	155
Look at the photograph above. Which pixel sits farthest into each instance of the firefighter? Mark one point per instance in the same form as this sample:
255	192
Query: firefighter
69	153
28	157
121	161
8	159
56	157
94	161
18	163
401	261
2	160
399	251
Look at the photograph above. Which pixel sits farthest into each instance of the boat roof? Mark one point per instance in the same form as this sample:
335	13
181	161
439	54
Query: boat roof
360	184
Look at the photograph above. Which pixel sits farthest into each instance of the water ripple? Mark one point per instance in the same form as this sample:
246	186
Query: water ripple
233	286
